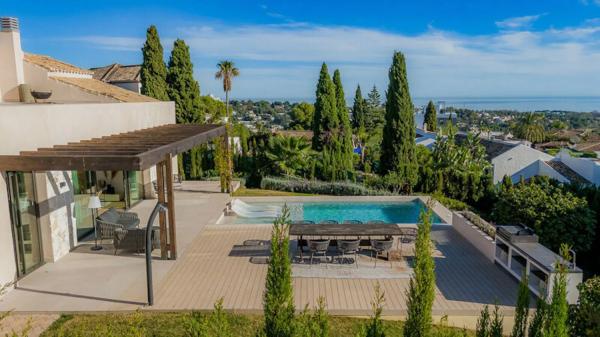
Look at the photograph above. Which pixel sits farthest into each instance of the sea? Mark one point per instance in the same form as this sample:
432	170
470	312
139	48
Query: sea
523	104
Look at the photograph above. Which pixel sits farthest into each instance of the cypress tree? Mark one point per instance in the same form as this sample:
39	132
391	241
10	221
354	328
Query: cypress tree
325	118
278	300
522	310
431	117
496	326
398	152
153	72
358	110
539	319
558	311
421	291
374	98
483	323
345	148
183	89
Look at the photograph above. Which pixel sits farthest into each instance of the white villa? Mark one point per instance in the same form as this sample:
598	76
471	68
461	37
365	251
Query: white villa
44	213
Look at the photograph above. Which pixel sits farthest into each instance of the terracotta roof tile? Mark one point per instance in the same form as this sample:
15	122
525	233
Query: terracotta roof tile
51	64
101	88
118	73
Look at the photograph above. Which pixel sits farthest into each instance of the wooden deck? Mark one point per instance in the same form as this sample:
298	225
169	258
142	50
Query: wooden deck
215	267
214	263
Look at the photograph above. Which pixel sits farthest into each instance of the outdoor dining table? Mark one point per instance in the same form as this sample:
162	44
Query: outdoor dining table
346	230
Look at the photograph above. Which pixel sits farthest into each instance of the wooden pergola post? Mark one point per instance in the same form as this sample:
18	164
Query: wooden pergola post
171	206
160	181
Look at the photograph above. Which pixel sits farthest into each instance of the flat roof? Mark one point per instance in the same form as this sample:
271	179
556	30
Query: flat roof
132	151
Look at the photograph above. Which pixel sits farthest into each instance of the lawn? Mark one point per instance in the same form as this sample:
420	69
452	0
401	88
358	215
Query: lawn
175	324
257	192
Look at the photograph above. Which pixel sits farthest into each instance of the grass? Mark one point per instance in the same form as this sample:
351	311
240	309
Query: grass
257	192
174	324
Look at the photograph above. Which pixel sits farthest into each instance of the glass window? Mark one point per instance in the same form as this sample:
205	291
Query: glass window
112	185
135	187
24	221
83	186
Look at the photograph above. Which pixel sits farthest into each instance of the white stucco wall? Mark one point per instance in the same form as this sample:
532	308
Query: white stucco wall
30	126
515	160
585	167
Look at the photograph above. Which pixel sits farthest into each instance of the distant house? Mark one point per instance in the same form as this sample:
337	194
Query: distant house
425	138
517	160
127	77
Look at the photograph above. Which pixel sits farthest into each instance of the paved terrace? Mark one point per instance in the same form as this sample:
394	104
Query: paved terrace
208	269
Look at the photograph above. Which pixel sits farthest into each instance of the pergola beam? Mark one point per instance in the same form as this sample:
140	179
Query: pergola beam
132	151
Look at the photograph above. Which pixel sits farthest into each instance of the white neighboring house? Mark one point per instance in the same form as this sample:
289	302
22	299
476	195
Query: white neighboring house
518	160
425	138
587	168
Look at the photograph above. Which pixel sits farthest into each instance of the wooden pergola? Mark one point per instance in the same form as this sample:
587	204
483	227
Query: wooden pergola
130	151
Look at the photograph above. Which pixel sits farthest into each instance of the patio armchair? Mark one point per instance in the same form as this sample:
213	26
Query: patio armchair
134	239
348	247
112	220
379	247
318	247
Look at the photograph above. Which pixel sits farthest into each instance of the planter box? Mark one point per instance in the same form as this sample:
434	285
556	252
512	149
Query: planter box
480	240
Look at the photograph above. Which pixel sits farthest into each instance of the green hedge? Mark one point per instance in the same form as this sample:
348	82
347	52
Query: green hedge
318	187
453	204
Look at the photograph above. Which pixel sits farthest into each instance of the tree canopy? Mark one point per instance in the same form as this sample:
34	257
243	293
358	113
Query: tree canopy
557	216
302	116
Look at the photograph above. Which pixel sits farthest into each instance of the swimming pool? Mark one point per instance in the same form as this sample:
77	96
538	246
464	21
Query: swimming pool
387	211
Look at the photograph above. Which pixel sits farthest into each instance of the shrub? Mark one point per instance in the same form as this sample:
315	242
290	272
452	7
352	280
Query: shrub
318	187
315	323
374	328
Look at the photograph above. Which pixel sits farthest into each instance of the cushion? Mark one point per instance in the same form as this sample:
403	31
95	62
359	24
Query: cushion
110	216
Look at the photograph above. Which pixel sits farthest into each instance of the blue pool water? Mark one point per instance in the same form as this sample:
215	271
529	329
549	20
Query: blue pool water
390	212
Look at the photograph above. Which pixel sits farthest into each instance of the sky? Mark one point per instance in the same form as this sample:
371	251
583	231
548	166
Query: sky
474	48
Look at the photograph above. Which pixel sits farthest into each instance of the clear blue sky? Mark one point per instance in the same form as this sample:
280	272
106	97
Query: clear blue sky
453	48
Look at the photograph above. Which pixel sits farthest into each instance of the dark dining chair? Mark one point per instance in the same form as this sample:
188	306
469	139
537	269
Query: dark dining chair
379	247
348	247
316	247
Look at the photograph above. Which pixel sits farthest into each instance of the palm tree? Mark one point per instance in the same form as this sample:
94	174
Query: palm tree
227	71
289	154
530	127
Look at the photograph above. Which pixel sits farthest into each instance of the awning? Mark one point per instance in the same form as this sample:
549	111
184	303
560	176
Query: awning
132	151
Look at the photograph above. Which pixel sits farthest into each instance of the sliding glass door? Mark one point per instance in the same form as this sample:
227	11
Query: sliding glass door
84	185
26	229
